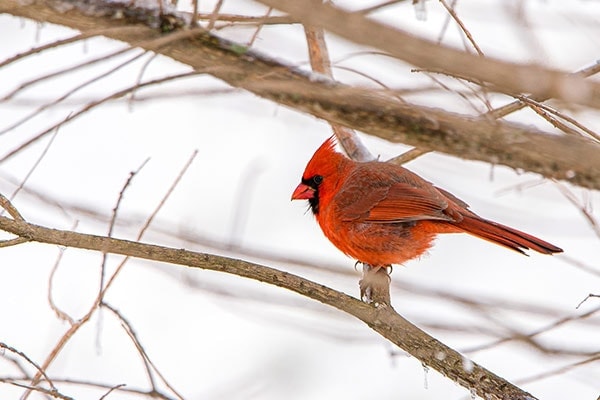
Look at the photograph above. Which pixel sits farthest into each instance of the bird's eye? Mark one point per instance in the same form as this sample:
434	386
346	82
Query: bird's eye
317	179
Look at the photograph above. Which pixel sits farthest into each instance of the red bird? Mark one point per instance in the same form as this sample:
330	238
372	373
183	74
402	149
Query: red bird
381	214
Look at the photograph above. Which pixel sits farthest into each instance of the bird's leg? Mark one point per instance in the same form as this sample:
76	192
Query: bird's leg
375	284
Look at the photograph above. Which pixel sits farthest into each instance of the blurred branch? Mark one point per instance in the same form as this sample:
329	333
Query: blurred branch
73	328
560	370
41	371
320	62
463	28
20	381
423	53
383	319
88	34
518	104
73	115
372	111
148	364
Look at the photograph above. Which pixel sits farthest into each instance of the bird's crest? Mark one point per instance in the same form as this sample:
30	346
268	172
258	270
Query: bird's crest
325	161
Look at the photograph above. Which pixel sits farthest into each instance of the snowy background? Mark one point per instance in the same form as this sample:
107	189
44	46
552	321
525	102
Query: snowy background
222	337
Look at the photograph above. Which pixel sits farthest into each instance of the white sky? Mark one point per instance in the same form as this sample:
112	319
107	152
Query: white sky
236	339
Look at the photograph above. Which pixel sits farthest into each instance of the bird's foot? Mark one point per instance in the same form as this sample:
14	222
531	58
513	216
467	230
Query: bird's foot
375	284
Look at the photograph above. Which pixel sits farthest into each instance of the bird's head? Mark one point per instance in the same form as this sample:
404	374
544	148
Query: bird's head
321	175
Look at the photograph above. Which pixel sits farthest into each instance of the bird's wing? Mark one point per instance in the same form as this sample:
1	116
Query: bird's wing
388	203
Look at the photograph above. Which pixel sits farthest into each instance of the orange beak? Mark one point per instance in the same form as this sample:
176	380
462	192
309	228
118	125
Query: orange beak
303	192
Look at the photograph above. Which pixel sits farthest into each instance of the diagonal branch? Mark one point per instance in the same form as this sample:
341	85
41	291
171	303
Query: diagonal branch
382	319
375	112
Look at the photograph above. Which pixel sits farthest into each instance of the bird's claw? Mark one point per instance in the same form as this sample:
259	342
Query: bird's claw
375	284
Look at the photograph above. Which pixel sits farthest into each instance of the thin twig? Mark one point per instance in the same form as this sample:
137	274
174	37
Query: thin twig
550	119
464	96
580	265
39	369
136	342
75	327
59	313
557	371
35	164
140	235
96	78
587	298
149	365
214	15
587	214
7	205
377	7
541	106
259	27
96	385
51	393
62	42
138	81
111	226
531	335
113	218
64	71
462	26
320	62
167	194
372	79
112	389
92	105
518	104
408	156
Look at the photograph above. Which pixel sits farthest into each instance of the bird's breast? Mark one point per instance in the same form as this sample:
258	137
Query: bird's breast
377	244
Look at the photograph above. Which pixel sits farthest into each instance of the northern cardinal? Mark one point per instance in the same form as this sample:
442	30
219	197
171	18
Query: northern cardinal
381	214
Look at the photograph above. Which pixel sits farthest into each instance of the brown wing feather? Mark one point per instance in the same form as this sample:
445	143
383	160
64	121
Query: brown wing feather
390	195
408	203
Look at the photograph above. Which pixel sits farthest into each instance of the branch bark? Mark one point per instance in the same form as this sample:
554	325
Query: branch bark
572	159
382	319
509	77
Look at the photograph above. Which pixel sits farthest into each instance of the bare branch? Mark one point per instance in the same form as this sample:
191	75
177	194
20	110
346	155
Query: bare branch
462	26
533	79
382	319
69	93
82	36
40	370
320	62
63	316
90	106
560	370
149	365
373	112
7	206
35	164
589	296
583	130
214	15
518	104
408	156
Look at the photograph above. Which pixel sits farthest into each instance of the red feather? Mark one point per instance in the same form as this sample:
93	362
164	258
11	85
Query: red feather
381	213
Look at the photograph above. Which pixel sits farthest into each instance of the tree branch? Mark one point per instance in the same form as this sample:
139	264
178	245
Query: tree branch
509	77
382	319
375	112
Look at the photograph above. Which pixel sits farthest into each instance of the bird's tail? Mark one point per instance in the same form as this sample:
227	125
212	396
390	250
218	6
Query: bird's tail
504	235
